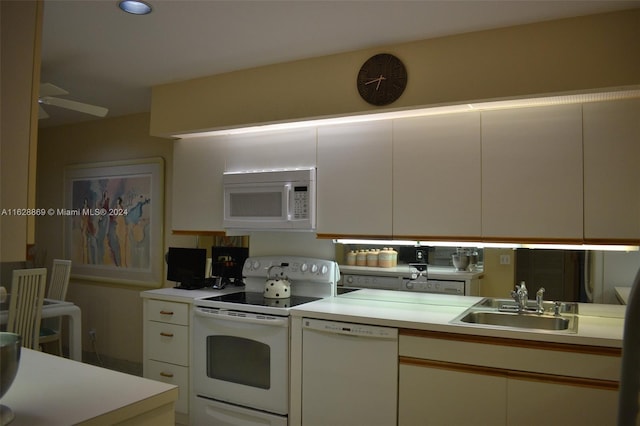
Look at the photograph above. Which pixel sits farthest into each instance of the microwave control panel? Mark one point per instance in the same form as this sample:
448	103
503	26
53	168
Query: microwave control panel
300	202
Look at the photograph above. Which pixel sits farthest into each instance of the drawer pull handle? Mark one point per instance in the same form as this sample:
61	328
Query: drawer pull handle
163	374
166	334
166	313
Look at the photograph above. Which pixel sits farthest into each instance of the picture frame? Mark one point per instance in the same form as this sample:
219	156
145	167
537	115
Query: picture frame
114	221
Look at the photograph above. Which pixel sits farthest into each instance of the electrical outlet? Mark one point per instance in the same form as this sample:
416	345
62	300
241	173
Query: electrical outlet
505	259
92	335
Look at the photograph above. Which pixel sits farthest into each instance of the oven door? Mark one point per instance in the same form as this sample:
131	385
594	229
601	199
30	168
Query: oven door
241	358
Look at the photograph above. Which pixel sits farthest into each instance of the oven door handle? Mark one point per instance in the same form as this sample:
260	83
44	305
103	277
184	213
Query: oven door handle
251	319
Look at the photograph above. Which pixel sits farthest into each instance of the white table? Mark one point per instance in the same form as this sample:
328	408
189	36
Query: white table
51	390
58	308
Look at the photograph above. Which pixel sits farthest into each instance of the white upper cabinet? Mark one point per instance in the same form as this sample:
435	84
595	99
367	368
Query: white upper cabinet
612	171
198	164
354	177
437	176
532	174
282	149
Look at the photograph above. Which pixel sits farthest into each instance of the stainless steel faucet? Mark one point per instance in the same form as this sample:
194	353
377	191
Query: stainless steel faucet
520	295
540	301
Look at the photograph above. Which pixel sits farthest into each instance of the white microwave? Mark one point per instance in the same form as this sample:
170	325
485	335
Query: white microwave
278	200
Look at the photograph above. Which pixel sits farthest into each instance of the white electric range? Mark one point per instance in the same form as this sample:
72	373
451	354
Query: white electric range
241	342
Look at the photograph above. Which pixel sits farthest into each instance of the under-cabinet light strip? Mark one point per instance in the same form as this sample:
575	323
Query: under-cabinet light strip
478	244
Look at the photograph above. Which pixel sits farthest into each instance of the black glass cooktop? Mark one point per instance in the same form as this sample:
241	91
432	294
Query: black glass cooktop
258	299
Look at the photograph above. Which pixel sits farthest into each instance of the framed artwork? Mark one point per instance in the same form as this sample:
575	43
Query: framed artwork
113	228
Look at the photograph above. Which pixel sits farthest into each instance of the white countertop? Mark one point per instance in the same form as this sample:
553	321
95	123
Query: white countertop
188	296
51	390
598	325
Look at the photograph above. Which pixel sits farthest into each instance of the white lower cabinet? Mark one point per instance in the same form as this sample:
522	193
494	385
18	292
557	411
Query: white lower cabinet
447	379
534	402
166	348
439	396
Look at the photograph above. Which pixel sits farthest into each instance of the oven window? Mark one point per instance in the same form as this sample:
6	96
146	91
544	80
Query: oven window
239	360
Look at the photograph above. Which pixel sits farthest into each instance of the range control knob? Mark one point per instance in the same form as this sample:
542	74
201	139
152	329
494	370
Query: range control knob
324	269
255	265
409	285
304	267
314	268
349	279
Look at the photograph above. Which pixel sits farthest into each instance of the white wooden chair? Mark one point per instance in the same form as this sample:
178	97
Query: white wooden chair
58	284
25	305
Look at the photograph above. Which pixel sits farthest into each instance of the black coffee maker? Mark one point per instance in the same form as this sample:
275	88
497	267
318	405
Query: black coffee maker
226	265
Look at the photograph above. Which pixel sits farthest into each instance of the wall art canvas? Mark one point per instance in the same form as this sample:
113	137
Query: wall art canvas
114	221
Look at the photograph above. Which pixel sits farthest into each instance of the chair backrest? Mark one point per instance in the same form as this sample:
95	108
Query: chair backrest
25	304
59	281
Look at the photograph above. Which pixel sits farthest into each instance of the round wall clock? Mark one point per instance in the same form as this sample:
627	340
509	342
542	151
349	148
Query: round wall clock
382	79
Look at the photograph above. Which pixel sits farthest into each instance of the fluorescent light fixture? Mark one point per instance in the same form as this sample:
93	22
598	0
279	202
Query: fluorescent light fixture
581	247
135	7
479	244
427	243
560	99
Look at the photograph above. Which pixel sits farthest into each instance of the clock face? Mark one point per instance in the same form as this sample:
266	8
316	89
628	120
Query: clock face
382	79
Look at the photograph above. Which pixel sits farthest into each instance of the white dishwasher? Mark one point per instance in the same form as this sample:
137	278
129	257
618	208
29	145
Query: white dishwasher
349	374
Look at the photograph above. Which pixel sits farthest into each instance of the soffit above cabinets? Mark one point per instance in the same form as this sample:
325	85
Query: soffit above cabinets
487	105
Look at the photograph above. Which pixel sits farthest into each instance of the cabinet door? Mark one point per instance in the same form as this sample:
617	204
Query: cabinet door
198	165
436	176
537	402
174	375
612	171
532	174
354	179
439	396
281	149
166	311
167	342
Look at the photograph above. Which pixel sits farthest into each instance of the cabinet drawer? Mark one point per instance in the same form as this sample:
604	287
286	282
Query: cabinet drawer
167	342
514	355
171	312
174	375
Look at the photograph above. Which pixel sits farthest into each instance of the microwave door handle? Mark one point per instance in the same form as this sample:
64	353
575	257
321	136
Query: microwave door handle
289	200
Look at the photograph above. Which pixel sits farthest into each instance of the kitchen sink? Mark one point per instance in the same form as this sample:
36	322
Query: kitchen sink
521	320
509	305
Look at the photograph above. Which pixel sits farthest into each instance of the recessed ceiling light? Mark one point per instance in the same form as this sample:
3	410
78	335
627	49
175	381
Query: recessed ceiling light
135	7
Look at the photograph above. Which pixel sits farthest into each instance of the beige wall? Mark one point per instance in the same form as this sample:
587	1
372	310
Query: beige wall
114	312
574	54
499	278
20	68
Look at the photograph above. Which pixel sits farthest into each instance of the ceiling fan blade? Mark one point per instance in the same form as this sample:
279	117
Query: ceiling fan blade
75	106
48	89
42	113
